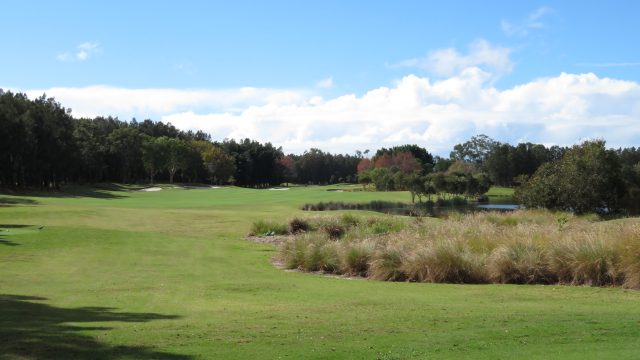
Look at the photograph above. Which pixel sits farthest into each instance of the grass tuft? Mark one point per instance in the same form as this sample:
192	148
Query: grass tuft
268	228
519	262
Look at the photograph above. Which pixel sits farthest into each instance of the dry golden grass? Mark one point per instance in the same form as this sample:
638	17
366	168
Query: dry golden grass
522	247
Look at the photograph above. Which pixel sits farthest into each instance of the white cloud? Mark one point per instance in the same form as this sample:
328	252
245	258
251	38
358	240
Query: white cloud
143	103
533	21
434	114
449	62
84	52
325	83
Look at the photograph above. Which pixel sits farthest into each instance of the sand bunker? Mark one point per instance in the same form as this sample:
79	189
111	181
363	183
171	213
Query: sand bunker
278	188
151	189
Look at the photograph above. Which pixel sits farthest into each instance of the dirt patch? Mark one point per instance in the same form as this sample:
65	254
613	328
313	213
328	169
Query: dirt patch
273	240
280	265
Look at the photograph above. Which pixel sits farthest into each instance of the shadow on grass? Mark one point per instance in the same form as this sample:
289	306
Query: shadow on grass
5	201
3	235
29	329
5	242
101	191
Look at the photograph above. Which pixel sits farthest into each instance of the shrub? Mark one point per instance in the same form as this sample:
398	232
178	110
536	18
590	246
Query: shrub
519	262
268	228
297	225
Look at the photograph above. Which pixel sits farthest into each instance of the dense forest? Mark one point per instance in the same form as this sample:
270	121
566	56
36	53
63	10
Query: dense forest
43	146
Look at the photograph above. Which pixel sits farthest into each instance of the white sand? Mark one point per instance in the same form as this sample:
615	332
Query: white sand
152	189
278	188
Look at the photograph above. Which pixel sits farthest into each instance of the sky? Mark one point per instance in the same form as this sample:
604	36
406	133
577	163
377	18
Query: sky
338	75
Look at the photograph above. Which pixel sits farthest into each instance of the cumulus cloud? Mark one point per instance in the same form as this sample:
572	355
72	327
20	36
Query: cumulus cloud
148	103
83	52
436	114
535	20
558	110
449	62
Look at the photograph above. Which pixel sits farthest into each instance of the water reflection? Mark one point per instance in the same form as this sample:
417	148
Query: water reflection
440	208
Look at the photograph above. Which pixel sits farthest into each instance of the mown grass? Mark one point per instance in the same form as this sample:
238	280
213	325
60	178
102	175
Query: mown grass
168	275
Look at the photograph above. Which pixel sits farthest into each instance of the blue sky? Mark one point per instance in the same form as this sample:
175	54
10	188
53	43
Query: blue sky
278	71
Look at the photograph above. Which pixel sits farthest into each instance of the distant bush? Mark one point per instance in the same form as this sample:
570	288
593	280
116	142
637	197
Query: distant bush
350	220
297	225
375	205
334	230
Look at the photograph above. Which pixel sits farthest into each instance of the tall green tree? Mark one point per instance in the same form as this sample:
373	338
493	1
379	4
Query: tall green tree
177	155
154	155
220	165
474	150
587	178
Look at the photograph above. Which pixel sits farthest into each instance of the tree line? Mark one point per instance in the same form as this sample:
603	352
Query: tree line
43	146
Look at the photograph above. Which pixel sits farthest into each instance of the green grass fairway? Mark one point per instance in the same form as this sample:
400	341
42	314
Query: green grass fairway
98	274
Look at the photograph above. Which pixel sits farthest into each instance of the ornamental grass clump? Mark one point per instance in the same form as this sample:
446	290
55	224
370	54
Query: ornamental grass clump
355	258
321	255
387	263
519	262
594	262
453	262
292	253
630	261
522	247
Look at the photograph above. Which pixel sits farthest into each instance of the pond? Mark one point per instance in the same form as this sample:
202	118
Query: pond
443	209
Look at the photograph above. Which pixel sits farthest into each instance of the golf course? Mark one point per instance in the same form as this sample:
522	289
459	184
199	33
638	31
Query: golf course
116	273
